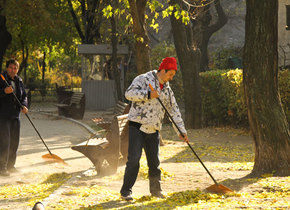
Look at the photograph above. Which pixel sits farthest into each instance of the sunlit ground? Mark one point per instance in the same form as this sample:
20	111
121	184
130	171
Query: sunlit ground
266	192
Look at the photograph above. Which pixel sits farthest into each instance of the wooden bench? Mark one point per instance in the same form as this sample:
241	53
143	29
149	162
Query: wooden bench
109	151
73	106
105	120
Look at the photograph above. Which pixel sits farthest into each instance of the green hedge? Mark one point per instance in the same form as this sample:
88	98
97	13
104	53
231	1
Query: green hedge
223	97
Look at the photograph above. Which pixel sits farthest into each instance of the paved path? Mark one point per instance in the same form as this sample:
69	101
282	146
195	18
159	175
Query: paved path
59	134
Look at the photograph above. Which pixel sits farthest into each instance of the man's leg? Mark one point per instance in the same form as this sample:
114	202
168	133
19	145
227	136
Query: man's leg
151	148
134	154
4	143
14	143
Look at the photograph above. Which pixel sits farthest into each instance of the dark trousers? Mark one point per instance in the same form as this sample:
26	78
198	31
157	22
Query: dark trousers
150	142
9	142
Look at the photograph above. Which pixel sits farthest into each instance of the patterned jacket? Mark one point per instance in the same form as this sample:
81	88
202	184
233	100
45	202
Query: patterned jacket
149	112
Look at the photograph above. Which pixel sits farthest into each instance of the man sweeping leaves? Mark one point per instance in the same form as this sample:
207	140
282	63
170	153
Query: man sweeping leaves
145	121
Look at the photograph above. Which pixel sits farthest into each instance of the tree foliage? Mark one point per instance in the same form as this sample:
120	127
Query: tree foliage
38	32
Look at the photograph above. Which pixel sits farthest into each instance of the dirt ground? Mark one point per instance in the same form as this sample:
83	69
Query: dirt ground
61	134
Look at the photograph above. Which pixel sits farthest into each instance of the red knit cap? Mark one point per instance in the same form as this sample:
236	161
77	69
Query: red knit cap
168	63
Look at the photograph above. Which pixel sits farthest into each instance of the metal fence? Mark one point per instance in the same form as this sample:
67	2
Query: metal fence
100	94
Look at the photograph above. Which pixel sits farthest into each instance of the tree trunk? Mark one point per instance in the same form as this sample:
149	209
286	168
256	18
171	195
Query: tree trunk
90	18
43	68
114	59
5	38
189	60
137	9
200	35
201	25
266	117
23	63
76	22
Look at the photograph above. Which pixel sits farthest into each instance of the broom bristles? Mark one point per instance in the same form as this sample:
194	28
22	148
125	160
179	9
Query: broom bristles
219	189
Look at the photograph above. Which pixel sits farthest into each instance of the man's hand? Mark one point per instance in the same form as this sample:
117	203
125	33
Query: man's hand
8	90
185	138
24	109
154	94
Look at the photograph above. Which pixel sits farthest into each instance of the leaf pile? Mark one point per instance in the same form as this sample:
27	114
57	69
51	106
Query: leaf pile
43	186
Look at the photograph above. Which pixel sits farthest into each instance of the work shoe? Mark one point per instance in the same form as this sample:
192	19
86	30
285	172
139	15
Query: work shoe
127	197
4	173
158	195
13	170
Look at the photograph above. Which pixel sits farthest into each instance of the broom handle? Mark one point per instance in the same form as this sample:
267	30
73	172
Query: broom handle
38	134
183	137
28	117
